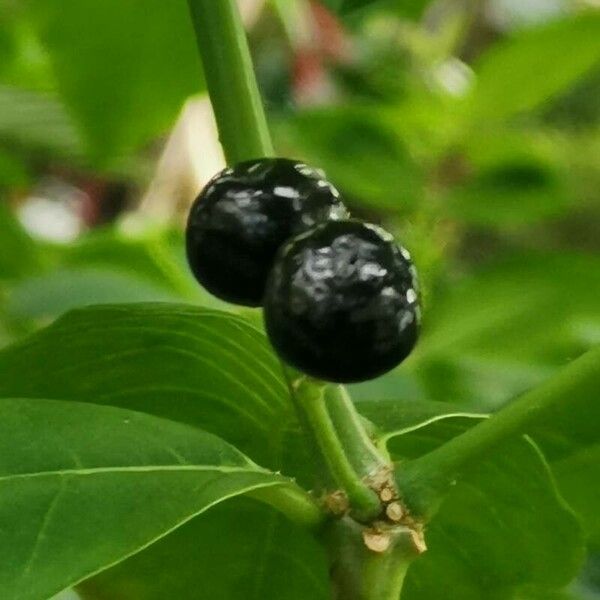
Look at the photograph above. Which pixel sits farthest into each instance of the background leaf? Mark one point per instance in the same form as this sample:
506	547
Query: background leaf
490	337
124	67
521	73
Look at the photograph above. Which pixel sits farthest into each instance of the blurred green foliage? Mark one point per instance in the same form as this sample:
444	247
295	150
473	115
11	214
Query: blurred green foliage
475	138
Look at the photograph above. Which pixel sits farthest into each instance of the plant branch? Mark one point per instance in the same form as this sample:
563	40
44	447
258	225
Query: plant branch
362	499
293	502
362	453
424	480
343	444
234	94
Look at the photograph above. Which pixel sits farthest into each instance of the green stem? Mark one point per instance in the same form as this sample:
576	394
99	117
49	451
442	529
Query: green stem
293	502
424	480
362	498
244	135
359	573
362	453
230	80
383	574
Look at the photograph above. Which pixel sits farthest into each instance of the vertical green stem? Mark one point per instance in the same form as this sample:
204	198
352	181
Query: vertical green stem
230	80
363	500
334	425
383	574
359	573
362	453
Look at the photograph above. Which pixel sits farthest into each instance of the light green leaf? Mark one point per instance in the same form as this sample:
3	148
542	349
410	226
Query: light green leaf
55	292
507	327
239	550
124	67
525	71
84	486
148	255
353	145
207	368
39	122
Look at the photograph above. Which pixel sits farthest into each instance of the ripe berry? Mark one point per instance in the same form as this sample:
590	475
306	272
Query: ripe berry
341	303
242	217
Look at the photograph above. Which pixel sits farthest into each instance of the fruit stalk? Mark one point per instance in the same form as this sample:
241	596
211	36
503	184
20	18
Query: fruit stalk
425	480
244	135
363	501
230	80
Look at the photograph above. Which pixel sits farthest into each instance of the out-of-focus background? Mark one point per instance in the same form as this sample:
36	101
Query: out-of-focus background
469	128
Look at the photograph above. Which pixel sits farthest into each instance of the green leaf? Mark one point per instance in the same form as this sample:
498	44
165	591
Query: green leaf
360	154
148	255
502	526
239	550
124	67
408	8
84	486
578	476
516	181
536	64
207	368
506	327
50	294
39	122
19	254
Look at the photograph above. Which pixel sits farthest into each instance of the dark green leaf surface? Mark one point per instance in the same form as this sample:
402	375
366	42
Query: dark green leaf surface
502	527
206	368
84	486
239	550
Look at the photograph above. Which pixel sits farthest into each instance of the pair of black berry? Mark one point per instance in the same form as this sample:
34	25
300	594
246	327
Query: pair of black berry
339	296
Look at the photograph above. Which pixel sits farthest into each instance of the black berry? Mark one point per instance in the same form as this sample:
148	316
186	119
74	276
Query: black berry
341	303
243	216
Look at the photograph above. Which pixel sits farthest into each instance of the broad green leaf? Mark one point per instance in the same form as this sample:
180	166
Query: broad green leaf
528	69
84	486
502	527
239	550
206	368
124	67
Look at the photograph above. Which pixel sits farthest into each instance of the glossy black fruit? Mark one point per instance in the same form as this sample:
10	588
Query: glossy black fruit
341	303
243	216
